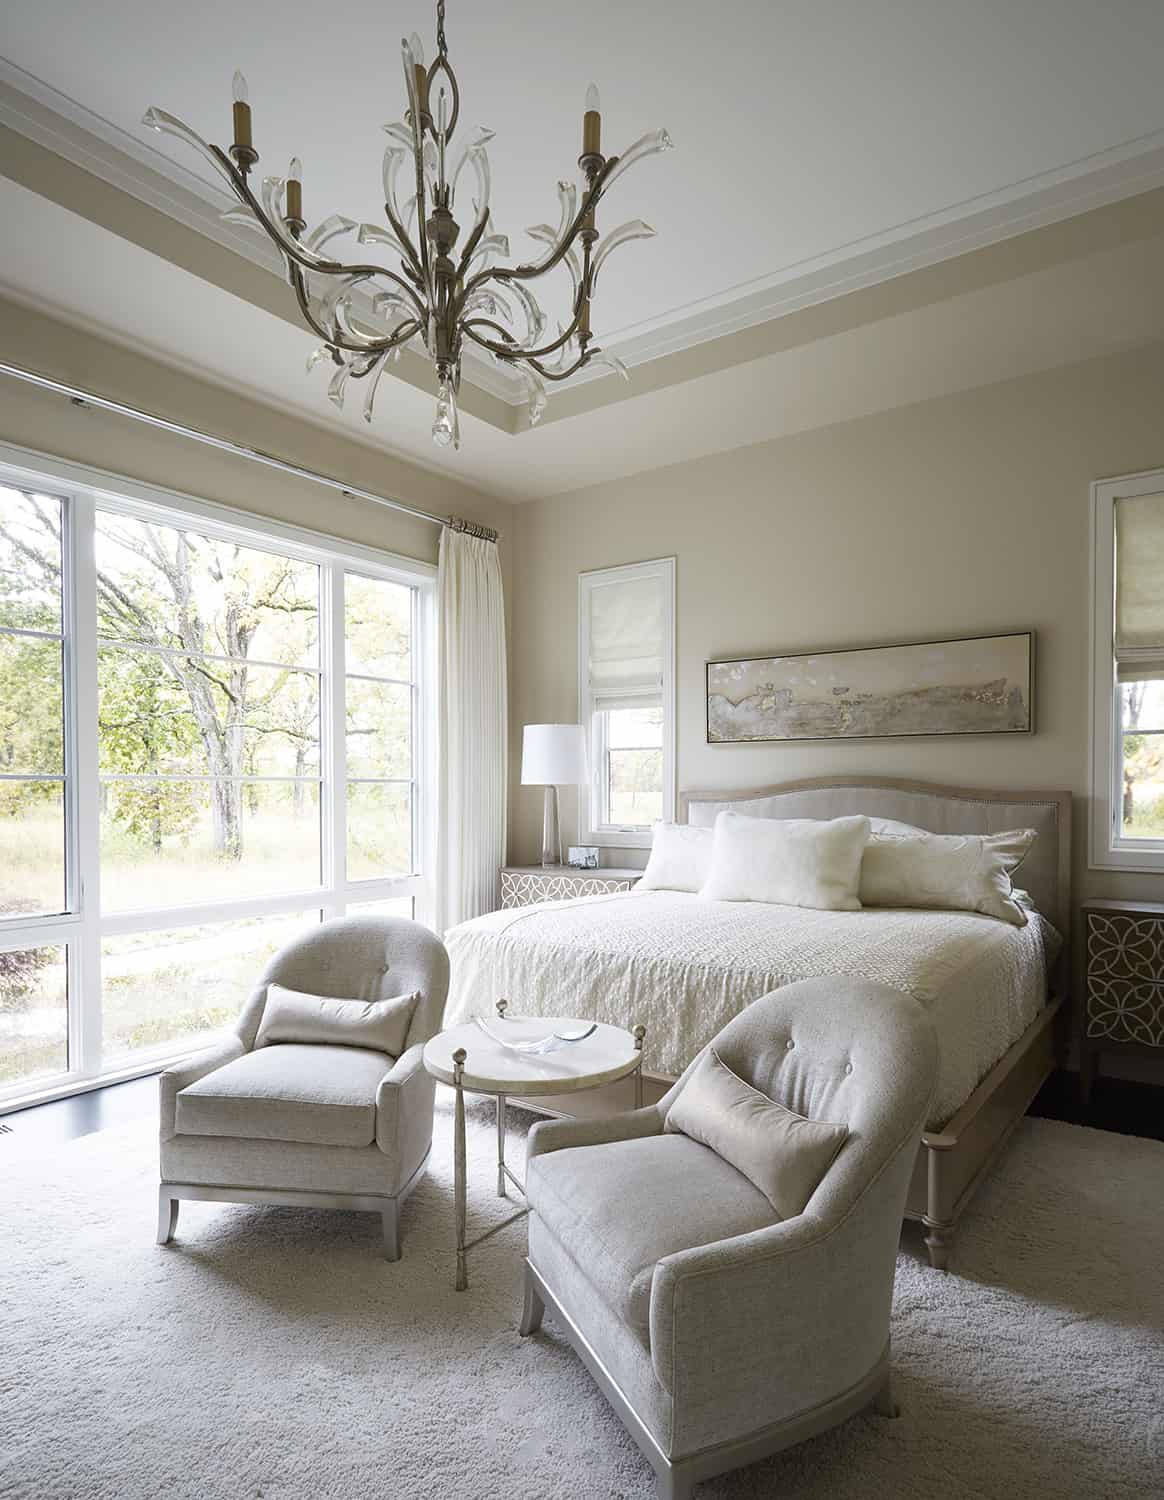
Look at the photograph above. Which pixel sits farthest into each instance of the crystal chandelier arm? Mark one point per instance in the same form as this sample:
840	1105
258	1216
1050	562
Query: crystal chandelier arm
512	349
393	156
549	374
369	338
296	253
472	323
527	272
353	343
480	162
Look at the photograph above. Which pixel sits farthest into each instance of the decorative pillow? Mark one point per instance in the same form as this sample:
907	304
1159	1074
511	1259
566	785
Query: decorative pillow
777	1150
290	1016
680	858
953	872
787	861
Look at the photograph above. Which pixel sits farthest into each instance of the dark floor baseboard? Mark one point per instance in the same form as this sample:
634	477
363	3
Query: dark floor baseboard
1117	1105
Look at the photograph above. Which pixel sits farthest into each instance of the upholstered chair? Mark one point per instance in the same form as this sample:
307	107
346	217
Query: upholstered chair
305	1122
718	1331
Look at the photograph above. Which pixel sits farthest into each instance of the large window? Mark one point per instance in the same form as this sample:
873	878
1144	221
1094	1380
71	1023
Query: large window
1127	829
626	699
213	734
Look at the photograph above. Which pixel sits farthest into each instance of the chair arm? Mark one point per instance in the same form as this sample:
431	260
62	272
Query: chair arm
562	1135
404	1105
800	1307
190	1070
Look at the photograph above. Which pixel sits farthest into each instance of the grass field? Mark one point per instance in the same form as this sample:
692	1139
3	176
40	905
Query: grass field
164	988
281	853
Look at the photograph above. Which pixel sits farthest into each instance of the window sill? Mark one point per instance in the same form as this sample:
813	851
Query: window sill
617	838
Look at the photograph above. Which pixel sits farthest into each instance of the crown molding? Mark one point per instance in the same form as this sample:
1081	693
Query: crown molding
1136	166
61	125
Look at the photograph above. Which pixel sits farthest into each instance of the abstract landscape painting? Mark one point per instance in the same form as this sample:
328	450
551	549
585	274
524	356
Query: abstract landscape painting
982	685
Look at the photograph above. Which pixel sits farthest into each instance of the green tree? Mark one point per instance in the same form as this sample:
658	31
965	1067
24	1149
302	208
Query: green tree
198	604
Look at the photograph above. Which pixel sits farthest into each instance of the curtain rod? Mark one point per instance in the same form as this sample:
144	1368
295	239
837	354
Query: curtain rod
83	398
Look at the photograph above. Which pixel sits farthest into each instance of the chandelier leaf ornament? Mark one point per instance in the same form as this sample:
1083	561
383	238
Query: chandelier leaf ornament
443	296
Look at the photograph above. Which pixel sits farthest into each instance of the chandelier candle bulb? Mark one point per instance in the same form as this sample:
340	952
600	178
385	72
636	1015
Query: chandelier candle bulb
295	192
592	123
242	113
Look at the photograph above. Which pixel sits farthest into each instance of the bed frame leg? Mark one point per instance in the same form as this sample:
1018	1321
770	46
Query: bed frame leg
939	1238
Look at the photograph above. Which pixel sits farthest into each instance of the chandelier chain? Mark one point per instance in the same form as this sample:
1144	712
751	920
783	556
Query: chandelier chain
442	45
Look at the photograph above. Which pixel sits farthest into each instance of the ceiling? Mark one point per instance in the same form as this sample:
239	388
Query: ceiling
823	146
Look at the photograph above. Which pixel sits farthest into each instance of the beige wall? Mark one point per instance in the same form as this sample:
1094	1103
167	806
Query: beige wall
950	517
34	419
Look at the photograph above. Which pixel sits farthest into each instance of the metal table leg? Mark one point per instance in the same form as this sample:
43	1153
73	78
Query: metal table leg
640	1033
459	1165
501	1193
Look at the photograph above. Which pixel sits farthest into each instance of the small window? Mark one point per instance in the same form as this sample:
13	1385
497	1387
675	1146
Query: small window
1127	829
626	700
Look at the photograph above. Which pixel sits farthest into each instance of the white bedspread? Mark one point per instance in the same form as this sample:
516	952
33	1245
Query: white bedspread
683	967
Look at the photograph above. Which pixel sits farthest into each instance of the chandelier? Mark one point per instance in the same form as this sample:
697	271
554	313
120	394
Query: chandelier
442	298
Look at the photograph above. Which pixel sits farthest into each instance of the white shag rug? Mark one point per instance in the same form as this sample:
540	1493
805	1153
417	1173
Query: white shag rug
271	1354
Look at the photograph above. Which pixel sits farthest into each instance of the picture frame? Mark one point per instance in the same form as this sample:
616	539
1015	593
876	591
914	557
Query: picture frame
981	684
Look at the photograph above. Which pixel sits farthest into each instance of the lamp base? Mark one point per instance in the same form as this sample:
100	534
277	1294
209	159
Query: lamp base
551	832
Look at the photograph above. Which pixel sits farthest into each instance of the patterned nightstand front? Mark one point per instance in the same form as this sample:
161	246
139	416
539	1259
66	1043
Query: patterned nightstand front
1124	967
528	885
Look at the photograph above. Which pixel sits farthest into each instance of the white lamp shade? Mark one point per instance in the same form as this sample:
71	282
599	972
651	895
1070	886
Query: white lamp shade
553	755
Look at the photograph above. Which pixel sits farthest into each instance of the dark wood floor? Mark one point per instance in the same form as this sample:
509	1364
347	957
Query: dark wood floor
29	1130
1127	1108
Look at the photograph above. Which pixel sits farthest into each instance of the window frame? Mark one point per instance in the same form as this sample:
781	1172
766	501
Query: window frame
1107	848
591	796
85	490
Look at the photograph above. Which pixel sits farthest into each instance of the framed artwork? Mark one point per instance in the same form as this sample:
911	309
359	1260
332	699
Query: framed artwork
976	685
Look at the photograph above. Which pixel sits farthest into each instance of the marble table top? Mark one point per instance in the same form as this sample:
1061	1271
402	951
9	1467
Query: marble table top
608	1054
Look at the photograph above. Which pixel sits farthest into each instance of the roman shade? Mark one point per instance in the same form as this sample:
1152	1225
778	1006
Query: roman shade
626	638
1139	609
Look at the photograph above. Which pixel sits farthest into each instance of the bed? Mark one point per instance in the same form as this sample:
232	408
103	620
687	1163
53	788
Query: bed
682	967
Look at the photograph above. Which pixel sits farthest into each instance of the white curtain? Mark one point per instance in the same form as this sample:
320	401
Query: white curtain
474	739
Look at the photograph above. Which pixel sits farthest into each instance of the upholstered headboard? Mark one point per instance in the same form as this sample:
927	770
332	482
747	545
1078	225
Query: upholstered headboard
1045	873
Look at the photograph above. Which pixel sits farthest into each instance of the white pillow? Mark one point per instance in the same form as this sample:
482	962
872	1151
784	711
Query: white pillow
680	858
291	1016
782	1153
950	872
787	861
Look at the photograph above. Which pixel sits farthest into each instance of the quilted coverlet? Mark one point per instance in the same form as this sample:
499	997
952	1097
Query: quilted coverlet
683	967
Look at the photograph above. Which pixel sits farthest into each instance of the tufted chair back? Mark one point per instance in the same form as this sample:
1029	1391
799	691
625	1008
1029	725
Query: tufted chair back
844	1050
360	958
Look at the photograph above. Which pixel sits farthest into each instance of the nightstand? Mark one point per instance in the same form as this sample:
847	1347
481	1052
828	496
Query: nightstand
1123	986
527	885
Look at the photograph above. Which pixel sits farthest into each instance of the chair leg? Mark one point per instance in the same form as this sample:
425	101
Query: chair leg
390	1221
670	1485
533	1308
168	1207
883	1403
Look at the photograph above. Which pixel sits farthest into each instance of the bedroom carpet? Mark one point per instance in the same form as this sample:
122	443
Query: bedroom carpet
270	1354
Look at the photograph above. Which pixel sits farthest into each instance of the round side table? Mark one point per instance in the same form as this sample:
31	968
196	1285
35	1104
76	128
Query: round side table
472	1061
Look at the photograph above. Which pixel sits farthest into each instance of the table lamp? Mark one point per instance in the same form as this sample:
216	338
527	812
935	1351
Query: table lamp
553	755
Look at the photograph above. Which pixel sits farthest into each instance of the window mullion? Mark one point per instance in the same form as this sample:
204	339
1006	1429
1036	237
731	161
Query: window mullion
333	750
81	652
